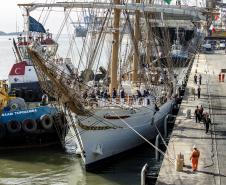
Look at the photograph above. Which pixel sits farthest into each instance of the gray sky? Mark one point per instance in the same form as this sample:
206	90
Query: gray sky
11	15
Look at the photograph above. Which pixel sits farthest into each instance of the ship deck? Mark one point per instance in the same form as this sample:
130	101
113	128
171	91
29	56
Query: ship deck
186	132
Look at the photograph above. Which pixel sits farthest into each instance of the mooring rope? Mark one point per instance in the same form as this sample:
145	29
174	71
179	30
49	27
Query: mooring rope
160	151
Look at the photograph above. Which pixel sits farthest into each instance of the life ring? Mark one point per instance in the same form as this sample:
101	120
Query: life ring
29	125
46	121
2	131
13	126
14	106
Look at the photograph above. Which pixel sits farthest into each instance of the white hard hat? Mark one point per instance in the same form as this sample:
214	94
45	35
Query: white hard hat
194	146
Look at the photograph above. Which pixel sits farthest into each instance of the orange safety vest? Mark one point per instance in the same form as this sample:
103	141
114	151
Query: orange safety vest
195	154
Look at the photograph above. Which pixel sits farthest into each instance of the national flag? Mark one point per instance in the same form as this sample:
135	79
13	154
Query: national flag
18	69
36	26
168	1
216	17
212	28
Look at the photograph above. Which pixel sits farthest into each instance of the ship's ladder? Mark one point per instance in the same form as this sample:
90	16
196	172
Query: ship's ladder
73	127
60	124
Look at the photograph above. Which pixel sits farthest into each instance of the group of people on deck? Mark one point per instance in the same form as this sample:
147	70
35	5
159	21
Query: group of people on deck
138	97
200	115
102	96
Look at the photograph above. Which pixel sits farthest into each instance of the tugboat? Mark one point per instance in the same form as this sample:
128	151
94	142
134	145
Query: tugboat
23	80
22	126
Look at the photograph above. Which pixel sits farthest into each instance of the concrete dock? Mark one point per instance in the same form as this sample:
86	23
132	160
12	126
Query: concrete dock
186	132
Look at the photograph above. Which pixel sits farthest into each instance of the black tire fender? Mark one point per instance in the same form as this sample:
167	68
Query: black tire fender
46	121
29	125
13	126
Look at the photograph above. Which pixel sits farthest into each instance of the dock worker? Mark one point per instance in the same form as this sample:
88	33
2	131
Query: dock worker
207	122
195	79
198	91
193	92
197	114
201	109
200	79
195	158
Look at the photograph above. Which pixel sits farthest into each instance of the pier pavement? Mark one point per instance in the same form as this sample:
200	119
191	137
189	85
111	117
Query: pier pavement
186	132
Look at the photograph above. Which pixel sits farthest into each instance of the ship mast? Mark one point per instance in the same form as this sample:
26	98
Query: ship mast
137	38
115	48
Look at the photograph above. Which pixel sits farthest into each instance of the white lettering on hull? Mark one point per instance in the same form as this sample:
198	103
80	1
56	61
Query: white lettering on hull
19	112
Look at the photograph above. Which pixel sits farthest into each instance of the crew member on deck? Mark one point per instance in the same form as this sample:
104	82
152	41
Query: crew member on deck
45	99
105	97
122	96
114	95
139	96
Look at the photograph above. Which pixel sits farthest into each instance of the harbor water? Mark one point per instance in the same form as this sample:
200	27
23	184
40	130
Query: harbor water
56	166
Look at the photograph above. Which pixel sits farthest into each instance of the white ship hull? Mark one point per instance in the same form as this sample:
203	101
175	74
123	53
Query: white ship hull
101	144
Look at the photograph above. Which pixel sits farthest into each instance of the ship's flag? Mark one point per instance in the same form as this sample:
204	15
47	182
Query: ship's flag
18	69
35	26
168	1
216	17
212	28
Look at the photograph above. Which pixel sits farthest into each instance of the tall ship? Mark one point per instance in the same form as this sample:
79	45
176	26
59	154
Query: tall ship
115	105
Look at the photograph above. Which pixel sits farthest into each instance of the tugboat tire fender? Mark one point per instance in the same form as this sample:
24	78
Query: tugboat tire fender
29	125
2	131
13	126
46	121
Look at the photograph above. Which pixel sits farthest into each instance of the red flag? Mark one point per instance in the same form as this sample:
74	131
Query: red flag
212	28
216	17
18	69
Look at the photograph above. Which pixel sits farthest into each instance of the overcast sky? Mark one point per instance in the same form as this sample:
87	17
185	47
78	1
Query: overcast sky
11	15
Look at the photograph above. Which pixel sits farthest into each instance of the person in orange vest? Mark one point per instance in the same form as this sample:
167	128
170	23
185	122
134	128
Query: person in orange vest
222	77
195	158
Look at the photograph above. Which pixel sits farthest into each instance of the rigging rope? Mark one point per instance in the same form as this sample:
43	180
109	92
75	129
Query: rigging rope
146	140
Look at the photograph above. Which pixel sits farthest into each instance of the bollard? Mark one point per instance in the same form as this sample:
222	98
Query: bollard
165	125
188	114
144	174
179	163
157	157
